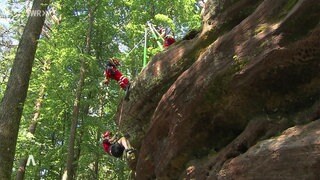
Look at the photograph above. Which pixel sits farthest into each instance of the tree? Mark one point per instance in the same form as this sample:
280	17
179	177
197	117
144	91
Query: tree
14	97
33	124
76	107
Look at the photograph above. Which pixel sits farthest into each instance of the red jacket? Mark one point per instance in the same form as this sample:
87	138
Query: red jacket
105	143
168	41
113	73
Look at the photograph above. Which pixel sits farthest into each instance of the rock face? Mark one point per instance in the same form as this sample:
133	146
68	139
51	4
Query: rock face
293	155
213	107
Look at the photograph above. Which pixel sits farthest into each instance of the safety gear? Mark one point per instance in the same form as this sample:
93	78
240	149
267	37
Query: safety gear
106	134
115	61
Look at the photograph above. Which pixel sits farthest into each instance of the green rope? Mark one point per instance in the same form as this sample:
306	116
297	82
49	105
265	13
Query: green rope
155	34
145	47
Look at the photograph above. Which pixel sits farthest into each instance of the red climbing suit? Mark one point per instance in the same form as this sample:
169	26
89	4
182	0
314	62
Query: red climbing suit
106	144
112	72
168	40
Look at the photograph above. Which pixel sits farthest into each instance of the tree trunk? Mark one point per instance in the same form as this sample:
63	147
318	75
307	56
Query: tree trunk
97	154
96	162
75	115
85	112
77	153
12	103
70	157
32	129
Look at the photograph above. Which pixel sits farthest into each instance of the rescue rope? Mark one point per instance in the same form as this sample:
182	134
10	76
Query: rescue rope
134	47
148	28
120	116
145	47
155	34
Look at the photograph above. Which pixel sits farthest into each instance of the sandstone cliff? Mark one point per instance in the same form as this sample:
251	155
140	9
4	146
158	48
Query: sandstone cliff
240	100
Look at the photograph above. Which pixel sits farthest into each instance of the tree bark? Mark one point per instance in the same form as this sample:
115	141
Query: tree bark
97	154
71	154
97	158
73	130
12	103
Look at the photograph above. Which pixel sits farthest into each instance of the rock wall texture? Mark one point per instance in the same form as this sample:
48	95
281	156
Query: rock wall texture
240	100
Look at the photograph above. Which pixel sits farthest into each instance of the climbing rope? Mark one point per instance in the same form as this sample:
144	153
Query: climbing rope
149	28
155	34
145	47
134	47
154	30
120	116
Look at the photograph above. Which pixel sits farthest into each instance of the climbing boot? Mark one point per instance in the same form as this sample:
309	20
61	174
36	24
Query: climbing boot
130	154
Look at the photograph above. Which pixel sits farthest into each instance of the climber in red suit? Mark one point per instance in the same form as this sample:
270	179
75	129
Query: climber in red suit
166	34
112	72
116	147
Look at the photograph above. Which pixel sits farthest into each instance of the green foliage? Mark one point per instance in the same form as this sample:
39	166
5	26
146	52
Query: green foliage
164	21
181	16
8	41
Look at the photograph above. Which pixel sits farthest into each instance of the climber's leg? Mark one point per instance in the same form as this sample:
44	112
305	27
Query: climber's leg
124	142
129	151
123	82
125	85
